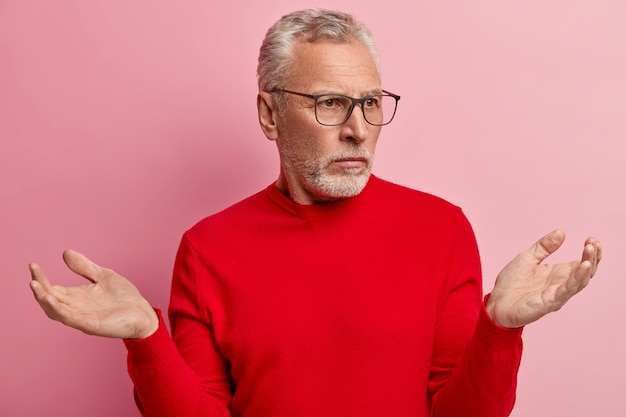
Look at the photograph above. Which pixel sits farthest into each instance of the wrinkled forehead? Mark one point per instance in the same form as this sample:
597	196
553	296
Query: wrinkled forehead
325	61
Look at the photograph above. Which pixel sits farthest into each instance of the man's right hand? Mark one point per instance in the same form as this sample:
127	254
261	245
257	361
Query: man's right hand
110	306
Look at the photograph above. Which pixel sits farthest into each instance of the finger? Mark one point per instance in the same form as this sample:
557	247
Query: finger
578	279
598	248
37	275
41	286
589	253
82	265
582	275
47	300
547	245
38	290
592	252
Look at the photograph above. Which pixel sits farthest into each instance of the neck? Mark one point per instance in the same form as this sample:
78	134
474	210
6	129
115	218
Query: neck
300	195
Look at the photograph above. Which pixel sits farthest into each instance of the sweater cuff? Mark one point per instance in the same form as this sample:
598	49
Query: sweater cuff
493	336
153	350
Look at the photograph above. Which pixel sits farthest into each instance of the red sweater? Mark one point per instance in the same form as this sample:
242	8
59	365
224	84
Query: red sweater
366	307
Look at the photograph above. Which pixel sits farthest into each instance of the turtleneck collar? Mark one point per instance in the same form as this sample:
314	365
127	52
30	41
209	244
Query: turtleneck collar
316	210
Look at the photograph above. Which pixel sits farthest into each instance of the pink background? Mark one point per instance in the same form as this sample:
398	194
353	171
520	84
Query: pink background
123	123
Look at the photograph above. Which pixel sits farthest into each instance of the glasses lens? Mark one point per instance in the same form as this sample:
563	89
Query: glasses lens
379	110
333	109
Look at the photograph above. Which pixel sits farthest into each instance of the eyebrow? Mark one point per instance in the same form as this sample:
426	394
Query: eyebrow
374	92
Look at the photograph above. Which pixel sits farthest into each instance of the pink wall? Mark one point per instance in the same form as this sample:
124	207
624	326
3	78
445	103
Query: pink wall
123	123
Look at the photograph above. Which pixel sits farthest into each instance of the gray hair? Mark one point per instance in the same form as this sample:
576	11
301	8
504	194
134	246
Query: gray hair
310	25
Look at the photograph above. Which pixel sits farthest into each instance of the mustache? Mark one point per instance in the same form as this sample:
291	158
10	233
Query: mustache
351	154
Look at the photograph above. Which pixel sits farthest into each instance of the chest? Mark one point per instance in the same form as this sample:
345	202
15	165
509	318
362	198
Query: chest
327	292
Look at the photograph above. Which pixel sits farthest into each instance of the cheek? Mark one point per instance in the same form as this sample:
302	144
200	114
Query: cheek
372	139
298	148
305	140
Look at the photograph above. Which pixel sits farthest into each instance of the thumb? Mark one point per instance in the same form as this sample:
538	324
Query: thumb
547	245
82	265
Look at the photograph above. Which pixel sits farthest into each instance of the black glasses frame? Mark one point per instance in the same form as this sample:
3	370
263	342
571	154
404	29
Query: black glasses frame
354	101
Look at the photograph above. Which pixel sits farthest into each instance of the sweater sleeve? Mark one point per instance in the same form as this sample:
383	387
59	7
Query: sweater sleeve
183	375
475	361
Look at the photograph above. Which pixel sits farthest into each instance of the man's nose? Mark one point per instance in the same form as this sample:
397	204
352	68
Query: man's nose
356	128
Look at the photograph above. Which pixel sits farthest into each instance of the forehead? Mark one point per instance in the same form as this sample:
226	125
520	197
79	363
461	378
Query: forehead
325	66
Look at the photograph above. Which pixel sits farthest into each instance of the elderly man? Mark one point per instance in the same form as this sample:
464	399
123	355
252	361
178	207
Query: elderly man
331	292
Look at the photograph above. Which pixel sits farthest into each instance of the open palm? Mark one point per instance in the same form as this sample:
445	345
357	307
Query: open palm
109	305
527	289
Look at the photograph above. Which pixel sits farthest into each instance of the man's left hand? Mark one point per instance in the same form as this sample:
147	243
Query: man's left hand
526	289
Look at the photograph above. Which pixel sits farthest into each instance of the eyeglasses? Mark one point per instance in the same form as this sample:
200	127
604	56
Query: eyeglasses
336	109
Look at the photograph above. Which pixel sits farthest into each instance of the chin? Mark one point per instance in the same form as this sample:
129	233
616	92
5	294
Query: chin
342	186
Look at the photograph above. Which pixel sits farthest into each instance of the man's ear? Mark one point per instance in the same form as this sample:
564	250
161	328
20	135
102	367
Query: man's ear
268	114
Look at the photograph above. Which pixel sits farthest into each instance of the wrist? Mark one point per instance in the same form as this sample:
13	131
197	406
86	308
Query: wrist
148	326
154	325
491	310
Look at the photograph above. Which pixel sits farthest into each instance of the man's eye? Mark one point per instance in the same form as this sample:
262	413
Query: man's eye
333	102
372	102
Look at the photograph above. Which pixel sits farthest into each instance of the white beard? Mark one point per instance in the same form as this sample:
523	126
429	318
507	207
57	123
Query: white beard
317	179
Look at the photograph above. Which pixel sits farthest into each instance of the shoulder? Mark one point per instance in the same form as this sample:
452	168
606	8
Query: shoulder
231	218
417	212
402	198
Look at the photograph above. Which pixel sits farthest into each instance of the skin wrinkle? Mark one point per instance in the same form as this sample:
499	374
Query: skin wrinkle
314	171
309	152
